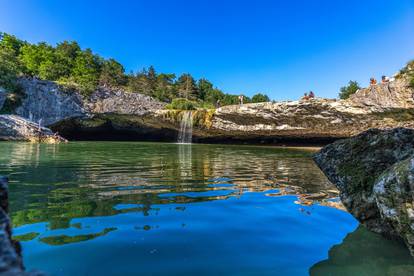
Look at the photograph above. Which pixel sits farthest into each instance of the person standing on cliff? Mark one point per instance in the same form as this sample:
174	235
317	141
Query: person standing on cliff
241	98
218	104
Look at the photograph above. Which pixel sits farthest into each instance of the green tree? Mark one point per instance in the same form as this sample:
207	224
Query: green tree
112	74
32	57
186	87
11	42
260	98
213	95
9	68
165	90
348	90
65	55
204	87
86	71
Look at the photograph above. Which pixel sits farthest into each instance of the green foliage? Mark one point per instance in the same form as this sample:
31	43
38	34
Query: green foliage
86	71
260	98
348	90
213	95
409	71
204	87
182	104
113	73
69	65
9	68
186	87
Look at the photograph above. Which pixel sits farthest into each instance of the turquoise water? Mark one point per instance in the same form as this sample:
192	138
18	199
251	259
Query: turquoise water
112	208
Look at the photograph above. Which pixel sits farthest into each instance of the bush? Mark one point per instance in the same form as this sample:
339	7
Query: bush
181	104
348	90
260	98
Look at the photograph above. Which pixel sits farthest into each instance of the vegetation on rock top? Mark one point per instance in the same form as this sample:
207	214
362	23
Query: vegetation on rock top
83	70
348	90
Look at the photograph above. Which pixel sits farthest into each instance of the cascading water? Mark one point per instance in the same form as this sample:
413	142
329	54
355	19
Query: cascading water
186	128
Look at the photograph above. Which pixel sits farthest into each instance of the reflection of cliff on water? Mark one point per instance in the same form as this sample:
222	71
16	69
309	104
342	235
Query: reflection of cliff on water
55	183
365	253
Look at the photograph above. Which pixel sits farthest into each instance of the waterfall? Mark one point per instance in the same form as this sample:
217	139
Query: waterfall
186	128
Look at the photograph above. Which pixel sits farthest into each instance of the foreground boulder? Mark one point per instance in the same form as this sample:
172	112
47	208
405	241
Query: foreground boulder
16	128
374	172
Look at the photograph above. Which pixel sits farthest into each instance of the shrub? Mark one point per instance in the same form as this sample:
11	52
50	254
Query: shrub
260	98
182	104
348	90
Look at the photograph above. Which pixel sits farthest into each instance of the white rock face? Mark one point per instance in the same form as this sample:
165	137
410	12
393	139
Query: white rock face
49	103
45	101
120	102
395	94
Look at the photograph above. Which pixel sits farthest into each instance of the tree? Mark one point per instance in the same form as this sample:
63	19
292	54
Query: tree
112	73
230	99
204	87
65	54
165	90
11	42
213	95
260	98
9	68
186	87
86	71
348	90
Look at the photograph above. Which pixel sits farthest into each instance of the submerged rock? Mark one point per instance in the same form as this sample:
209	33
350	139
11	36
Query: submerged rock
365	253
374	173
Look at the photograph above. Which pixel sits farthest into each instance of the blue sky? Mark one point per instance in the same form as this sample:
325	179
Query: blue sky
282	48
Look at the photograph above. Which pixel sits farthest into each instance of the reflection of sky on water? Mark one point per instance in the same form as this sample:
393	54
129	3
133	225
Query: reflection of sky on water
91	207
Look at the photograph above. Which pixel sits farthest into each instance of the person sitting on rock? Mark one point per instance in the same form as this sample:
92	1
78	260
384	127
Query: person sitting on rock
372	81
305	97
311	95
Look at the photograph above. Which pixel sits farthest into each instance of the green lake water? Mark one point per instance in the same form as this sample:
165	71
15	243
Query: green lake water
129	208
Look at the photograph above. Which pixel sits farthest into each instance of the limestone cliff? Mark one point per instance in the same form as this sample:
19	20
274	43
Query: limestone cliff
116	114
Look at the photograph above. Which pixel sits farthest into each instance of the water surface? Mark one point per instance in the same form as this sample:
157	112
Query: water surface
112	208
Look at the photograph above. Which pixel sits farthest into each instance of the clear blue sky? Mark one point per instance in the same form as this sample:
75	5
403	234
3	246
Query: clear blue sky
283	48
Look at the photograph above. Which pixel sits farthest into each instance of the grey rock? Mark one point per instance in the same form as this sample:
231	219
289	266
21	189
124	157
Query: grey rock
394	94
394	194
16	128
374	187
117	101
47	102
